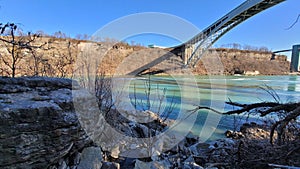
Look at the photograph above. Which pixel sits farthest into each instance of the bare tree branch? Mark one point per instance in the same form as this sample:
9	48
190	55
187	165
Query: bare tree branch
281	124
249	107
291	112
17	44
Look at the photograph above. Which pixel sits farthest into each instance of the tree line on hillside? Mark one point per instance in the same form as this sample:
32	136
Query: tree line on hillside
25	53
40	54
238	46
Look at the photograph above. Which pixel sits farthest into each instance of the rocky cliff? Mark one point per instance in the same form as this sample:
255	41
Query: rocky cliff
242	61
38	124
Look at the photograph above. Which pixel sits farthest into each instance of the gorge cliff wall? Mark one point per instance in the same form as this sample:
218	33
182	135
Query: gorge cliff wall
60	56
242	61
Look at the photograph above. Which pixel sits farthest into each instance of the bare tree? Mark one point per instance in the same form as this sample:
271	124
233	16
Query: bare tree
78	36
41	32
82	36
39	61
17	45
59	34
86	37
103	85
236	46
64	57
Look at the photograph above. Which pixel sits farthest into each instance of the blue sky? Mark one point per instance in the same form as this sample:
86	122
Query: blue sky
80	17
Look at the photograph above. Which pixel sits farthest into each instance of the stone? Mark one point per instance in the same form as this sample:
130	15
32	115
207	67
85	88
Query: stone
191	166
53	167
255	131
139	130
152	165
110	165
233	134
146	116
199	148
62	165
76	159
115	152
91	158
191	138
190	159
186	166
224	143
199	160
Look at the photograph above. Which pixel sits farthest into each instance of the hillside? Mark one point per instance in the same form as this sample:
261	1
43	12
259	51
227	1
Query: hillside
244	61
60	57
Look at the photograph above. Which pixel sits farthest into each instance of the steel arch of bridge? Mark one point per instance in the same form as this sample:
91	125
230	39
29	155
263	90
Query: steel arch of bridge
192	50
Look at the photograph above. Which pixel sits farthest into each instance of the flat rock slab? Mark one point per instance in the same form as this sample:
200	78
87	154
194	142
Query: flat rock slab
38	124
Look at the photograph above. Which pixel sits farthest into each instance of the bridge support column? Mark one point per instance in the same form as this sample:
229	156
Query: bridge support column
295	61
187	52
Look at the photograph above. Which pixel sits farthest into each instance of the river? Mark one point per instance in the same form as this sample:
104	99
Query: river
176	97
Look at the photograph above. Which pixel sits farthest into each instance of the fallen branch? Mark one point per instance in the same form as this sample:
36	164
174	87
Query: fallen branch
282	107
206	108
249	107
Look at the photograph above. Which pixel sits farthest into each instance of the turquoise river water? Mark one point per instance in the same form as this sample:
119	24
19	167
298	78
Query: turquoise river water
177	97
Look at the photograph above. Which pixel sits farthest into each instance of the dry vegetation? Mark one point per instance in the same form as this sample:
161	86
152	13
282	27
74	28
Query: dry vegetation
38	54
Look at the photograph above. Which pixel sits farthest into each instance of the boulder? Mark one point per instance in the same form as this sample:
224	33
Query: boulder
91	158
152	165
199	148
191	166
110	165
146	116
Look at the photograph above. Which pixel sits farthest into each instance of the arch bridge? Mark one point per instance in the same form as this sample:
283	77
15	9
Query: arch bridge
192	50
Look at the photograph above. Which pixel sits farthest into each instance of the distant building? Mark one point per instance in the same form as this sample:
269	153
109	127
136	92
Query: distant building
155	46
295	61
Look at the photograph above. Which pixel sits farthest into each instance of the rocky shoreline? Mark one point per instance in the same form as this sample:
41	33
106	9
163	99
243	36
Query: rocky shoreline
39	128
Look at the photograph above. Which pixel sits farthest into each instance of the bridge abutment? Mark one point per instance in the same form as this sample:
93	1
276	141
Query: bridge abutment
185	52
295	61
